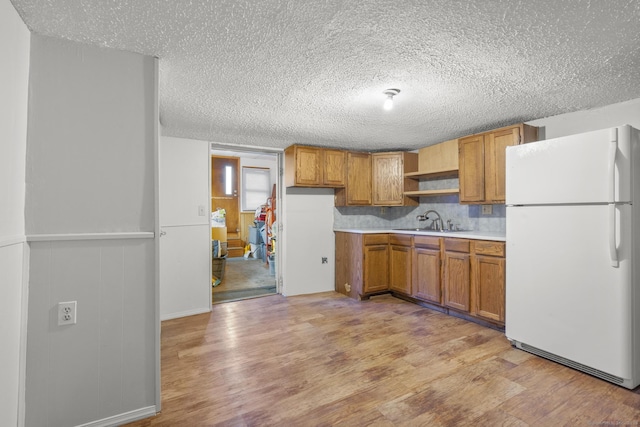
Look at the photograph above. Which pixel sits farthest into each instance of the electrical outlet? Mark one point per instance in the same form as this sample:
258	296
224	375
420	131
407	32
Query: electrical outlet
67	314
487	209
201	210
325	260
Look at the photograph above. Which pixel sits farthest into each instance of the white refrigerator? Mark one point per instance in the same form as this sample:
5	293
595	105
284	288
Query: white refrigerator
573	251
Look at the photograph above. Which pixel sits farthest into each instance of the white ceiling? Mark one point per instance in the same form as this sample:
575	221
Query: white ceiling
272	73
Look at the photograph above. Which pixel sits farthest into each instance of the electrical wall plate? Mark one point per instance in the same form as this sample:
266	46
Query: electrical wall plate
67	313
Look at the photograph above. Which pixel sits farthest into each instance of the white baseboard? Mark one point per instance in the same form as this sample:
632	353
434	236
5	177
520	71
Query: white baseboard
184	313
120	419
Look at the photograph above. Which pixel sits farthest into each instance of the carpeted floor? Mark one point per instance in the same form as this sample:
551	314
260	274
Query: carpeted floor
244	278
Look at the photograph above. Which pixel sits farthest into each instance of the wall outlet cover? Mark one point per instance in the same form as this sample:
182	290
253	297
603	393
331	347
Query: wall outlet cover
67	314
487	209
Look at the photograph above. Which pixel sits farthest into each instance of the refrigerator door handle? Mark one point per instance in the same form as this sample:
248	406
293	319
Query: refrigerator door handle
613	150
613	250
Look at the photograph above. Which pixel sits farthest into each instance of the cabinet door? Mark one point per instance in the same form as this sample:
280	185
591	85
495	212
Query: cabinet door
358	179
400	269
426	277
334	168
349	264
471	173
376	268
308	167
387	178
488	284
495	147
456	280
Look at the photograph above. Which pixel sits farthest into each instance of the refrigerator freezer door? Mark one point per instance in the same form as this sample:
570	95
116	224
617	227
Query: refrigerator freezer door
562	294
572	169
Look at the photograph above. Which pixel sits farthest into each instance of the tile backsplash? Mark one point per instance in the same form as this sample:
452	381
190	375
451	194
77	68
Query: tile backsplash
468	217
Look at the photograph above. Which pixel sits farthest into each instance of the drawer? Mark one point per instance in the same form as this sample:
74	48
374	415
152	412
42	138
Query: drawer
457	245
376	239
428	242
485	247
400	239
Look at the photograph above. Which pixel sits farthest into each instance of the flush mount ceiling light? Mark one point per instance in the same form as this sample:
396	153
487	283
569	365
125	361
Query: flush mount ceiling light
388	103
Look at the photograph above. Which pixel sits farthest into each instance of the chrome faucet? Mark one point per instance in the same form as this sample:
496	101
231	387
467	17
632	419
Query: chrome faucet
436	224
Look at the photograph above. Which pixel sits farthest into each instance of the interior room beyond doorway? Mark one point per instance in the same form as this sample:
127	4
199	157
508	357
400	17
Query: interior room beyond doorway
244	194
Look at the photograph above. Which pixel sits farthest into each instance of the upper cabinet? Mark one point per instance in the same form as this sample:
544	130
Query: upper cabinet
482	162
357	191
378	179
314	167
389	181
439	160
334	168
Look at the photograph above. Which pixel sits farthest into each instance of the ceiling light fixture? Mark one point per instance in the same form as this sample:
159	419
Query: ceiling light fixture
388	103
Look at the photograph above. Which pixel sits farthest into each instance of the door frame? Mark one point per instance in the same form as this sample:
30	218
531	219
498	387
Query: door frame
232	150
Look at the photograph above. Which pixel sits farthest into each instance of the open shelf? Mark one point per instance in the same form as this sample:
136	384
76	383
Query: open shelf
445	173
427	193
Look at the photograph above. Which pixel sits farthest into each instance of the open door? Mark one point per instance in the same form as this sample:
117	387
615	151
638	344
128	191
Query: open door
185	242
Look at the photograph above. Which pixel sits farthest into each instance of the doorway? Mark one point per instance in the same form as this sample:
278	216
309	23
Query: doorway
237	177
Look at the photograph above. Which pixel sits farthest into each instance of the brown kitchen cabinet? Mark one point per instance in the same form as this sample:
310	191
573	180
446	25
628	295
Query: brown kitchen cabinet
362	264
488	281
460	276
400	263
334	168
376	263
457	273
378	179
481	160
357	190
314	167
389	183
426	269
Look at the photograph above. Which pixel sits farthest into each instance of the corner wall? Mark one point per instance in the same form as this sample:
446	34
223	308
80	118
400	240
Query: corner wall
622	113
14	82
90	219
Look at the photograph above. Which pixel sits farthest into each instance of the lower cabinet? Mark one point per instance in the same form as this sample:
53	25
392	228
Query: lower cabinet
426	269
488	281
362	264
400	263
457	272
460	275
376	263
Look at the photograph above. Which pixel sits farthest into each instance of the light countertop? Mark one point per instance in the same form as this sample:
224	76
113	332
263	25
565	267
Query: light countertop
477	235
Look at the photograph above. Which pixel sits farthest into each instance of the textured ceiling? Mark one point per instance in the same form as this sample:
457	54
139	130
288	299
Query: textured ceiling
275	72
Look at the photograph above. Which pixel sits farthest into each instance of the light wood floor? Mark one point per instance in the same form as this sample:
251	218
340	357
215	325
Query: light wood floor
326	360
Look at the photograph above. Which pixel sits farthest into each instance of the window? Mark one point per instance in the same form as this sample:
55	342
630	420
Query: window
256	187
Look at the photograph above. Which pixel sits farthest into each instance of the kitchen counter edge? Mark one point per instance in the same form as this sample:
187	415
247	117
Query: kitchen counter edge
476	235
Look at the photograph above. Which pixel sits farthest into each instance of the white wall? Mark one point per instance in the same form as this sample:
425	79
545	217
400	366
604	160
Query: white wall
90	218
308	237
623	113
14	79
185	248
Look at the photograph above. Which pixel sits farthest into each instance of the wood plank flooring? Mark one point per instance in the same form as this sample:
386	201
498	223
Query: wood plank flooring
327	360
